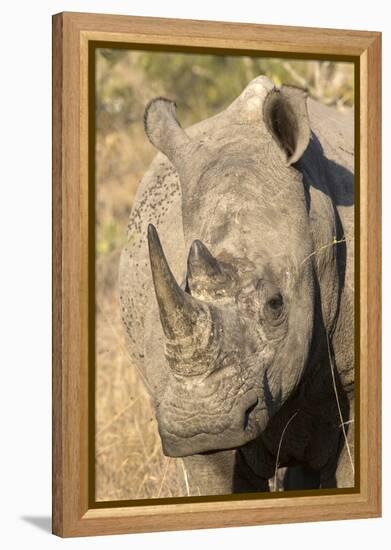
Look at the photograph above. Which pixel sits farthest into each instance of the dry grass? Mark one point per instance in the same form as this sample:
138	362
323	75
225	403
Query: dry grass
129	460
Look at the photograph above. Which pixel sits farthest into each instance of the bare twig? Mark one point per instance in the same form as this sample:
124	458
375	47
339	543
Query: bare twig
295	75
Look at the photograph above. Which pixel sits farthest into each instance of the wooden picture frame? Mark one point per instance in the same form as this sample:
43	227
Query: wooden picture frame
74	514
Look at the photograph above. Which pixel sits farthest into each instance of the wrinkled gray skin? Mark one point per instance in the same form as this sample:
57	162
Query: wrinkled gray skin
241	316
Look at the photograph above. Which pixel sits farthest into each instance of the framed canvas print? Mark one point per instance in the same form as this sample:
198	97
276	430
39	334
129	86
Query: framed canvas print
216	274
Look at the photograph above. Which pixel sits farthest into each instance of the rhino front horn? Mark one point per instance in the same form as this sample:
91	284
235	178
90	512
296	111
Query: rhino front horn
179	312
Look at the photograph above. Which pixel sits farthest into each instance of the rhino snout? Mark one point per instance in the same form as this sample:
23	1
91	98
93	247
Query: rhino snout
196	429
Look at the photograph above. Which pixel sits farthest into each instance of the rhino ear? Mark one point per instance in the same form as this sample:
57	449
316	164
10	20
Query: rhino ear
162	127
286	116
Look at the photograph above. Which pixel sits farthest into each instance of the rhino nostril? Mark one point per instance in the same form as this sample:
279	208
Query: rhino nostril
248	413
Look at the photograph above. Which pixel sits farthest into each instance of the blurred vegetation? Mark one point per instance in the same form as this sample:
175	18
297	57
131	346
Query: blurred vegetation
204	84
129	460
201	85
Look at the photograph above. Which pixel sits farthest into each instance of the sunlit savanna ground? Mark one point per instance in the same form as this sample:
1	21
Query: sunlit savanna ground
129	460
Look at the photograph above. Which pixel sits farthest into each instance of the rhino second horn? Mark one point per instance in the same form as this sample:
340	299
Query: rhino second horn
201	263
179	312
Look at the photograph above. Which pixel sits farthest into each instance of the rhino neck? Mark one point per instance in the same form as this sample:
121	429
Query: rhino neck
329	260
327	233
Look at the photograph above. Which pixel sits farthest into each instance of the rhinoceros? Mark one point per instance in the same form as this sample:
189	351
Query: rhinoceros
237	290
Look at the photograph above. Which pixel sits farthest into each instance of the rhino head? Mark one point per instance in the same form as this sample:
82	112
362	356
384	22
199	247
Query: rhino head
238	331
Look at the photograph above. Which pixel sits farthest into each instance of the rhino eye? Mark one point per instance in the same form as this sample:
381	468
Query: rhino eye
275	303
274	309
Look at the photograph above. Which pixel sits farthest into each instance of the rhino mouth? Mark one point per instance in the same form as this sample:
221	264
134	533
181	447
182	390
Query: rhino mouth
204	443
228	433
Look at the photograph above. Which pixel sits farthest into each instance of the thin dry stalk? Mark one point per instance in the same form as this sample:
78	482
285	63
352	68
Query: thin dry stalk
185	476
167	463
146	463
116	417
102	450
342	425
279	449
347	422
333	242
342	422
140	487
141	438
